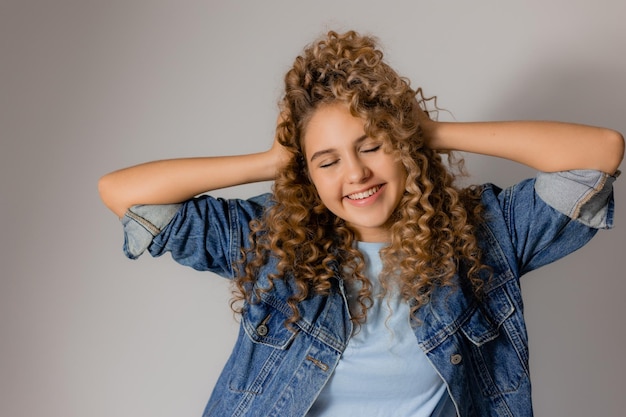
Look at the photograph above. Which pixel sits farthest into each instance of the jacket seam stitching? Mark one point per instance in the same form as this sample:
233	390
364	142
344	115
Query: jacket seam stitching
151	228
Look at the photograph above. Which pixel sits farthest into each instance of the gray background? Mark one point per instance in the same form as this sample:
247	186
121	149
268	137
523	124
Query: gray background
91	86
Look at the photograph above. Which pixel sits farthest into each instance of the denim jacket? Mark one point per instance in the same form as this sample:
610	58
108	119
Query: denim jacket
478	347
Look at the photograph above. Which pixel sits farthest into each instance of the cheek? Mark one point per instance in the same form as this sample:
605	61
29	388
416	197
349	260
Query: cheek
317	182
401	177
327	190
396	169
320	186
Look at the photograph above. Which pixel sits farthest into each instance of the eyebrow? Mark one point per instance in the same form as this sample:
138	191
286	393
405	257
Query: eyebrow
331	150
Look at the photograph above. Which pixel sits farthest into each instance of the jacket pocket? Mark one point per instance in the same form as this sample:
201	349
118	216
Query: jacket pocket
497	344
262	347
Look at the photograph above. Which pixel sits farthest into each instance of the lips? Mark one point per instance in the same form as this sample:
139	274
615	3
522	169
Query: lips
364	194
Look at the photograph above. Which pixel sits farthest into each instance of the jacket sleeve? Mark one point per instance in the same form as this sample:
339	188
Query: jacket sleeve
584	195
204	233
548	217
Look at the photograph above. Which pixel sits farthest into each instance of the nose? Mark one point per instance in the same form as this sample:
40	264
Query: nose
357	171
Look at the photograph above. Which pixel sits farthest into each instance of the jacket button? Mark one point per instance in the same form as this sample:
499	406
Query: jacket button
262	330
456	359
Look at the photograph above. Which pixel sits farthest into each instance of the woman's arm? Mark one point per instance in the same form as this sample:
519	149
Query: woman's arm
545	146
177	180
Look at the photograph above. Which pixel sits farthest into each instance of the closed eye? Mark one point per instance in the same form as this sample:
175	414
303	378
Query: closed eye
328	164
372	149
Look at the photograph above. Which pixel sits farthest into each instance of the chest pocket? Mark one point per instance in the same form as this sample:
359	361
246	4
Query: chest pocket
497	345
263	345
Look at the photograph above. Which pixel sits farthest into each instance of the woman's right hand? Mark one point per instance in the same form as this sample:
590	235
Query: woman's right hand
278	153
177	180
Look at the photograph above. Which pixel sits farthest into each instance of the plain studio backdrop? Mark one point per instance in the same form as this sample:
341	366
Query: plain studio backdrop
91	86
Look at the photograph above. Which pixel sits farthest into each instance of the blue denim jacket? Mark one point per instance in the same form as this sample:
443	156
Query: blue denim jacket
479	348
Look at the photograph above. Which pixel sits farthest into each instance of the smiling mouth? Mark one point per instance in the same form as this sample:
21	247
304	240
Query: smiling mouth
364	194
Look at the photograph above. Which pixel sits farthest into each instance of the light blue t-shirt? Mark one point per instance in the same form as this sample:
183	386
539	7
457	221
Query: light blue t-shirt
383	372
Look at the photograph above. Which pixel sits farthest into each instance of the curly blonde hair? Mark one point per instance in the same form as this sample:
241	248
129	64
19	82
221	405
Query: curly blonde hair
433	228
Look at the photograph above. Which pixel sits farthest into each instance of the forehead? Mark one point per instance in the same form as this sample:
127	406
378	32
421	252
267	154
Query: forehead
331	126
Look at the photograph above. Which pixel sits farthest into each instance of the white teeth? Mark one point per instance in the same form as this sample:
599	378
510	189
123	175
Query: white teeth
364	194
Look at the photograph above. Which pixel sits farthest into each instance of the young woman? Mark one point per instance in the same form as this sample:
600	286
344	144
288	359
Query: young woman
368	284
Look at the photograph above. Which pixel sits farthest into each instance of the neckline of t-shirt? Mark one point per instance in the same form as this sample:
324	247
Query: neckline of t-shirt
370	246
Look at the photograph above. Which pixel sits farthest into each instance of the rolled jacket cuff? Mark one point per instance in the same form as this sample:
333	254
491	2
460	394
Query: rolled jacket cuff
142	223
583	195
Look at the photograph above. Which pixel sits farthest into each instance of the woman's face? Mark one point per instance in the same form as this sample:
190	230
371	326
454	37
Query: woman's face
355	177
